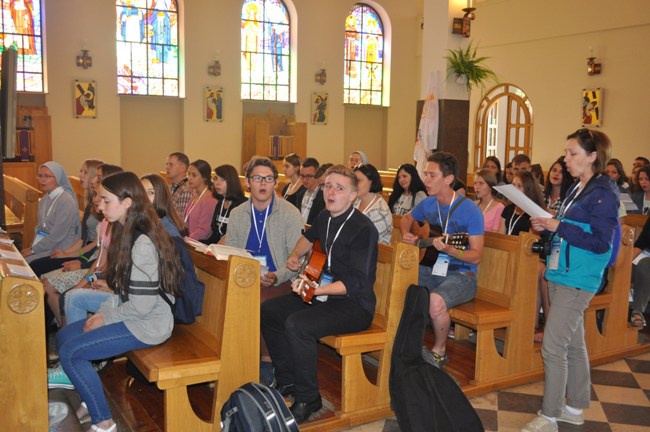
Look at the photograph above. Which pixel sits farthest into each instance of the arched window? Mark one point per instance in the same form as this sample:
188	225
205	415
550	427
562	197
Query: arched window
364	56
265	50
21	26
147	47
504	125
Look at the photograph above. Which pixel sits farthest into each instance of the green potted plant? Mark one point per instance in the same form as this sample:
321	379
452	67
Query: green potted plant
467	66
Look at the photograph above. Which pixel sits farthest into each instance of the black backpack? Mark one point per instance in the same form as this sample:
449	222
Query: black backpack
256	407
424	398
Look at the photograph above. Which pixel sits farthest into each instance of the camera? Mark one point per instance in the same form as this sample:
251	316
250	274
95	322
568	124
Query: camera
542	247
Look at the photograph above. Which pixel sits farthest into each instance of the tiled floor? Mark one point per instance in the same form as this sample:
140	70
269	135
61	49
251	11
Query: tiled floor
620	401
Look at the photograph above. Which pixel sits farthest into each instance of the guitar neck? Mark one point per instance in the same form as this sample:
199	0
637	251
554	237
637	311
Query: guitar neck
459	241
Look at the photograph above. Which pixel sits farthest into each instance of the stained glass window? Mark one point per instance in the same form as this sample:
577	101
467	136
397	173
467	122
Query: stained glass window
147	47
21	27
364	56
265	58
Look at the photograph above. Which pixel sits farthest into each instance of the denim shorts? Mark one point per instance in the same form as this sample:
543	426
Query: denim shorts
455	288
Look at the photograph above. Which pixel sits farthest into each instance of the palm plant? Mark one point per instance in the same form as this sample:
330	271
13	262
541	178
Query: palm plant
464	62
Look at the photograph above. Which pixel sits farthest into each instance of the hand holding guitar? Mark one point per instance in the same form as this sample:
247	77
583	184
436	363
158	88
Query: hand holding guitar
304	287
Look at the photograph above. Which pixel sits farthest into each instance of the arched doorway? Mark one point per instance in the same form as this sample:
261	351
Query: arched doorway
504	125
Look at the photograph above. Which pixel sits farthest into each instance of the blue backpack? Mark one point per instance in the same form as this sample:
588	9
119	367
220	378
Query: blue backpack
189	304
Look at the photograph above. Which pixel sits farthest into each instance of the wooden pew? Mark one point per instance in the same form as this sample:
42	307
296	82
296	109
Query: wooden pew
504	310
23	375
21	208
636	222
363	401
617	338
222	346
504	305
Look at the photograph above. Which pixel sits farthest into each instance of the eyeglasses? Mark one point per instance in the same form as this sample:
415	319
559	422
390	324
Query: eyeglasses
307	176
260	179
45	176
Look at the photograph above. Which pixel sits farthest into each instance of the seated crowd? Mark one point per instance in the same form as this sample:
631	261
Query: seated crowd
109	275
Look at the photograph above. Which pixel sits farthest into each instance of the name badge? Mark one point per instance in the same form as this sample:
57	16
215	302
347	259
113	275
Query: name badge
264	269
325	279
554	257
441	266
40	235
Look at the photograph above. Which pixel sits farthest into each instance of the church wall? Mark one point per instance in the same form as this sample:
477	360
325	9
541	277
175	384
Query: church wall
543	47
122	132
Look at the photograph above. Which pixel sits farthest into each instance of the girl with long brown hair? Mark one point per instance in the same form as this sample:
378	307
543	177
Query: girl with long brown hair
142	267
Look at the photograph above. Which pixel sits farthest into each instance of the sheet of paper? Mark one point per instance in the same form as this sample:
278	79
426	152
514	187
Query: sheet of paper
6	240
10	254
19	270
522	201
626	199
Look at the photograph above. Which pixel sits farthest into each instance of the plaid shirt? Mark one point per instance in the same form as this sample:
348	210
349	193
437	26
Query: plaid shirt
181	196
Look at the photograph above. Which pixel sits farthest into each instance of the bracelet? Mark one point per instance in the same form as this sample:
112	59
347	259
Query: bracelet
460	254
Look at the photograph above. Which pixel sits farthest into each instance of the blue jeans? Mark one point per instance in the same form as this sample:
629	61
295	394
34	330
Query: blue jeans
77	349
79	301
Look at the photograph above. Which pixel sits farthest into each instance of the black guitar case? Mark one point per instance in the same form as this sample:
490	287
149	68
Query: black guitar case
424	398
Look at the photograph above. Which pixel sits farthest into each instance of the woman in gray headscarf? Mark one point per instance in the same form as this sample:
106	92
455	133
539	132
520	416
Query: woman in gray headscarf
58	213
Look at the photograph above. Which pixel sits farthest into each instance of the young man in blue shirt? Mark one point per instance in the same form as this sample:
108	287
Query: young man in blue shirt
452	280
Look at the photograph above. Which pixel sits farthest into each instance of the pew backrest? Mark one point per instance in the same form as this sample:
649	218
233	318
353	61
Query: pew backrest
22	200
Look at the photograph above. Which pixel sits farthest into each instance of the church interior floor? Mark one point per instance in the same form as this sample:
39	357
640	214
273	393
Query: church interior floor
620	399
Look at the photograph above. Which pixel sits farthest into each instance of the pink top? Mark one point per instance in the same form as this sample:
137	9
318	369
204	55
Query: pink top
198	218
492	217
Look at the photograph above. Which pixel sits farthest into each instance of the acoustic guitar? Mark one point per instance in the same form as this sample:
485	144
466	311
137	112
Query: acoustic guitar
428	253
312	267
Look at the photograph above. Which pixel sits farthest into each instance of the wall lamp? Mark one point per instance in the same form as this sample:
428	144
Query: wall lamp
84	60
214	68
593	68
463	26
321	77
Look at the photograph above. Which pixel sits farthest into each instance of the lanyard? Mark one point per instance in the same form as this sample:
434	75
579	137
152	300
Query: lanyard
189	209
222	214
372	203
488	206
511	224
451	204
49	209
327	235
565	206
257	233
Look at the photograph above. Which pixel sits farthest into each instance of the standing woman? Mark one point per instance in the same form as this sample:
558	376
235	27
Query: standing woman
642	197
370	202
58	214
513	219
486	198
230	195
581	247
291	170
408	190
142	267
557	183
199	211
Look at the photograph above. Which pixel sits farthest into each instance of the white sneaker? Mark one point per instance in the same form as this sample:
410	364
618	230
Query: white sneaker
540	424
566	417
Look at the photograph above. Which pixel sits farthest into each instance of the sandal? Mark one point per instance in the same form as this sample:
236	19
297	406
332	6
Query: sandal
637	320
